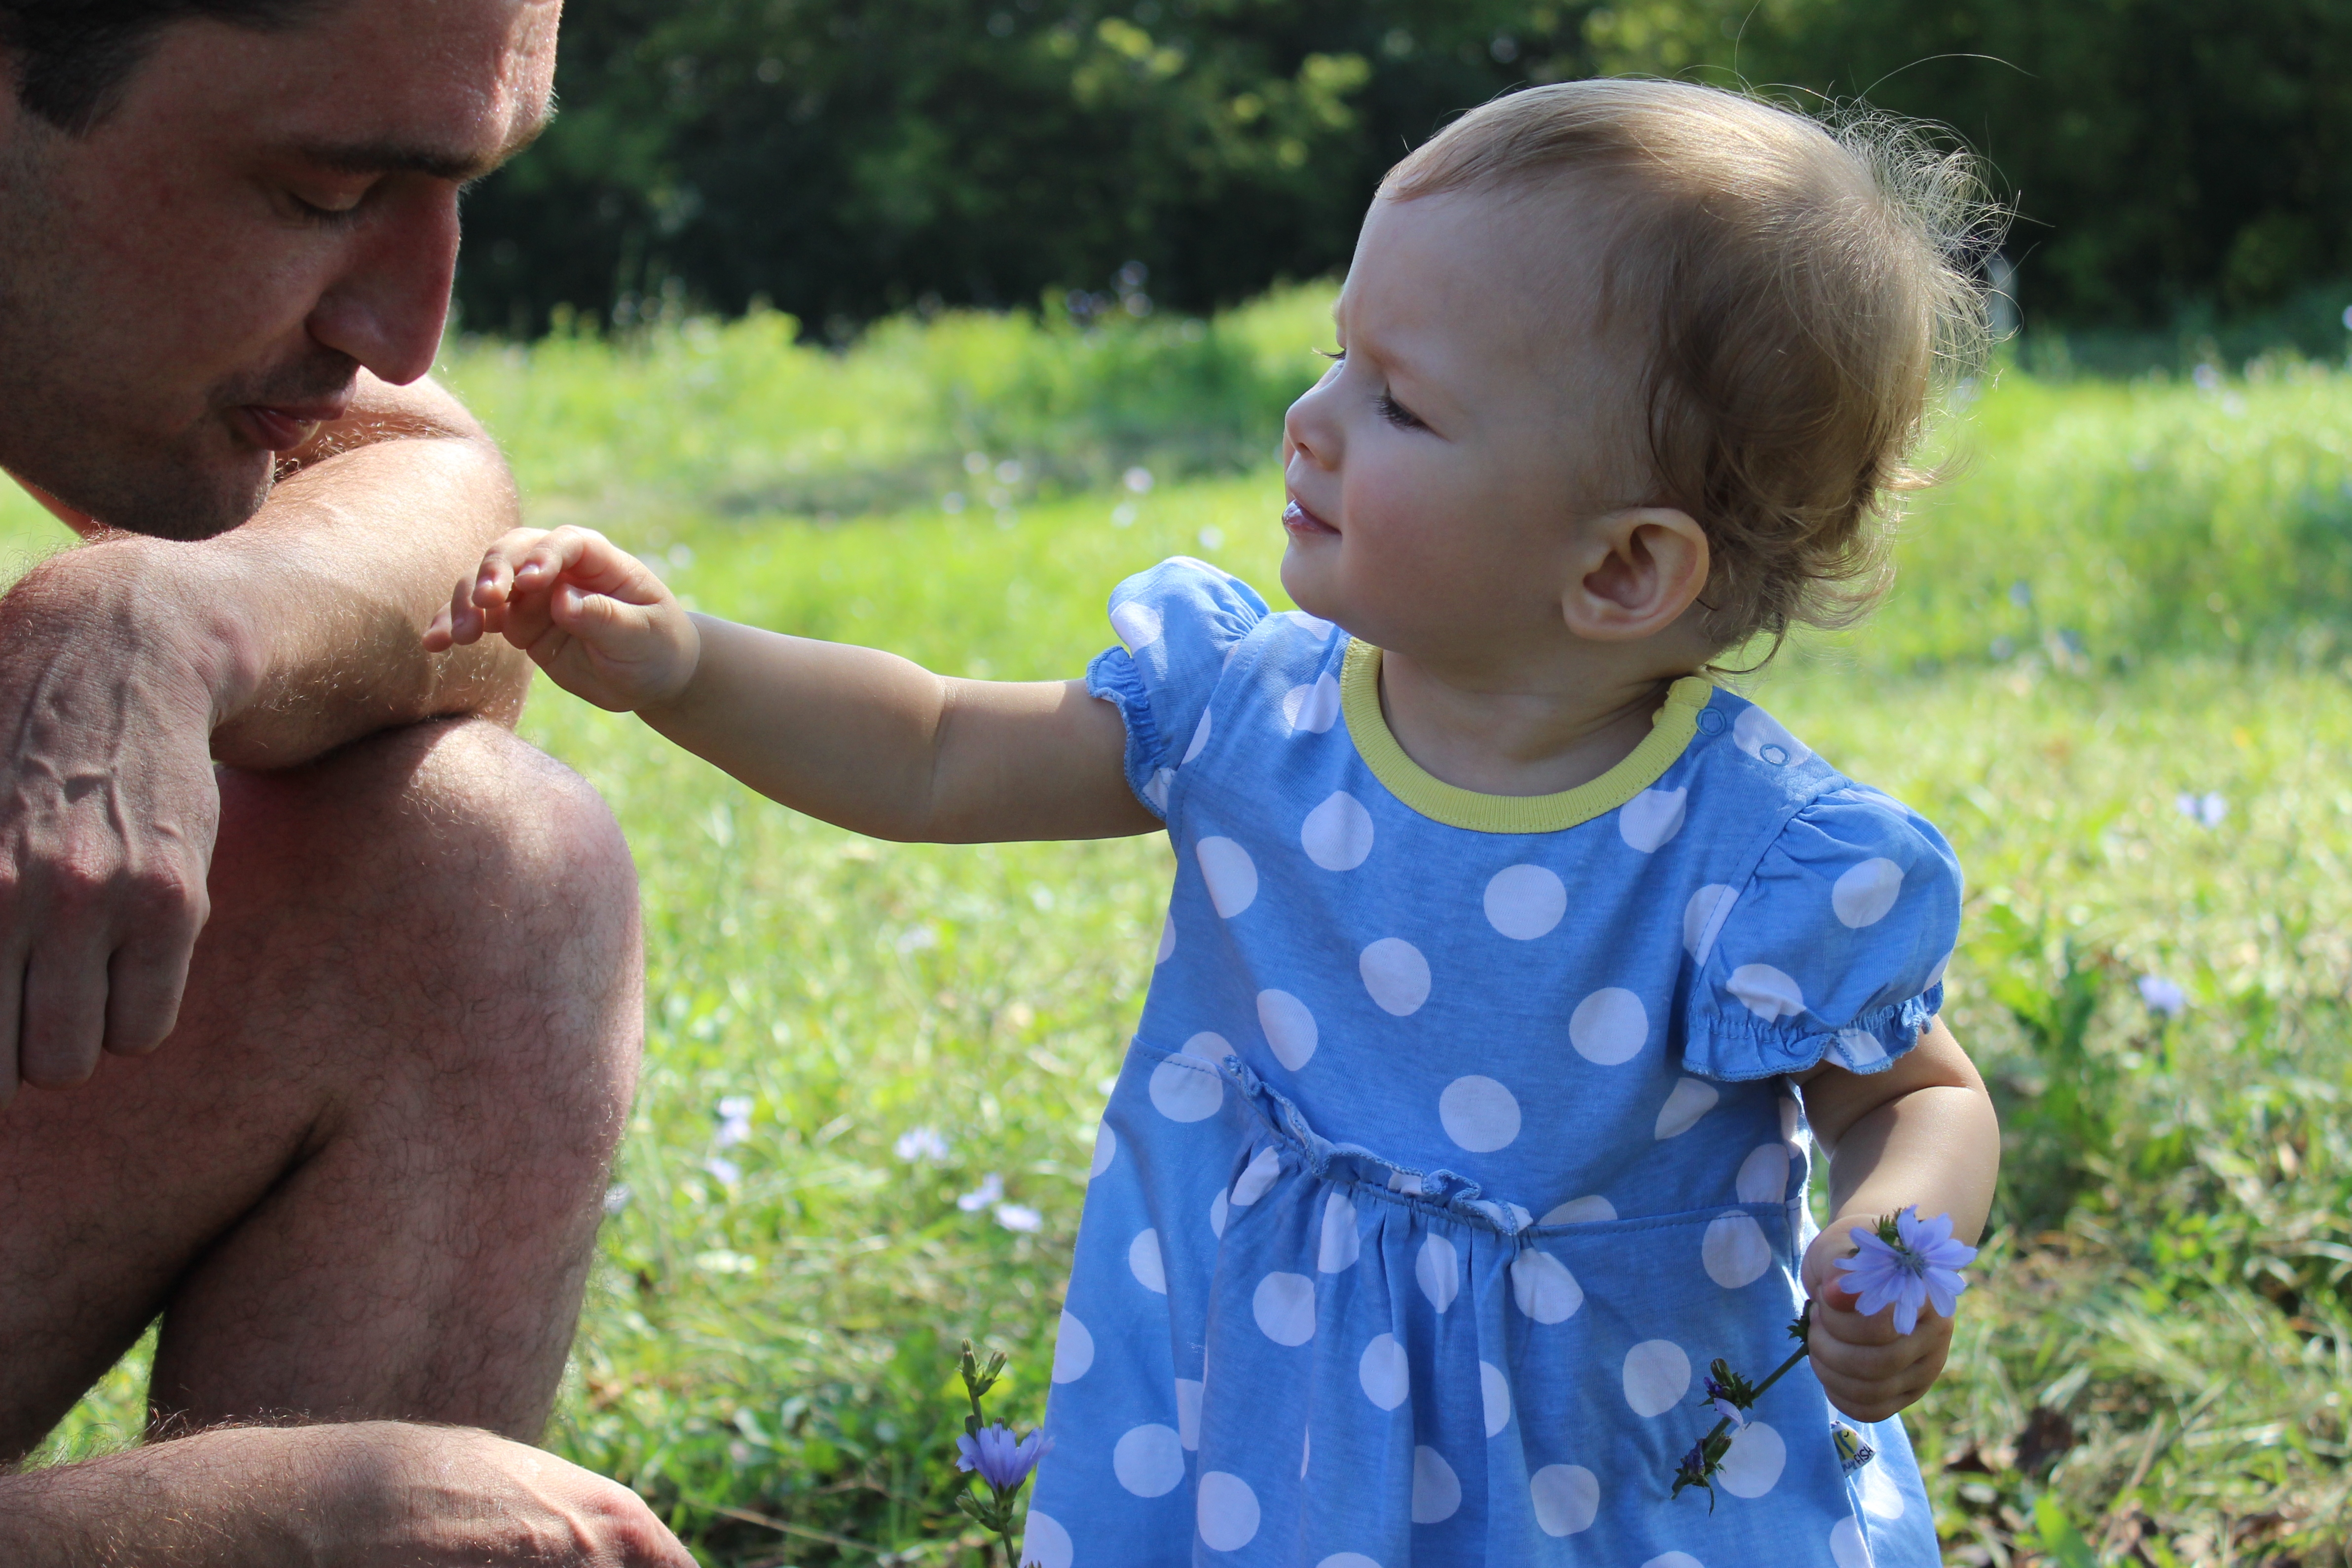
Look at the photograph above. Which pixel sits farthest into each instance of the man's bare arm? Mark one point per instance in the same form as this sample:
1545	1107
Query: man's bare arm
303	622
372	1495
129	665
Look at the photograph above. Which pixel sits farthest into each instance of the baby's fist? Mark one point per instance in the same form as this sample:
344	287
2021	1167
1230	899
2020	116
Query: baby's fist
1869	1369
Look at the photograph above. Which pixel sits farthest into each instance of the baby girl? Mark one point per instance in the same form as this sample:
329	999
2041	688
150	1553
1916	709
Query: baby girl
1514	966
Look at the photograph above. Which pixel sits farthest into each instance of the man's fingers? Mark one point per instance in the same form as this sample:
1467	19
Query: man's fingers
144	982
64	1012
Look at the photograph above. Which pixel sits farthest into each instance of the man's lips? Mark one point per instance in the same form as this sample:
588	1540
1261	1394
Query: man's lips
283	427
1299	521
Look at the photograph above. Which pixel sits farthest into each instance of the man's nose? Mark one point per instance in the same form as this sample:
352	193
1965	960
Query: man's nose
388	307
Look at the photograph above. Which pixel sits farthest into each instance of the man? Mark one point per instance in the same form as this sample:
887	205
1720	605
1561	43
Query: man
325	1049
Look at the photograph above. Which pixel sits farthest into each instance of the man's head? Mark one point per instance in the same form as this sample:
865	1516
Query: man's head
214	215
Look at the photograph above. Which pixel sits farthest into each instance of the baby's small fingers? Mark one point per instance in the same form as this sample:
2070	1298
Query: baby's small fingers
1851	1327
1862	1363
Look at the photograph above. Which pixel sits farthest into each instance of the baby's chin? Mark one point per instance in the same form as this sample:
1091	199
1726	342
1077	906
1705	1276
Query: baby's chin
1308	581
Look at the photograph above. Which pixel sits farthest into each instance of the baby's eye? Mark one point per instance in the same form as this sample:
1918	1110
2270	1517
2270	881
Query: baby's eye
1396	414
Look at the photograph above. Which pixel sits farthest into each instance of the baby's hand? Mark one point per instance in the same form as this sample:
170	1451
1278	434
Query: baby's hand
1868	1370
591	614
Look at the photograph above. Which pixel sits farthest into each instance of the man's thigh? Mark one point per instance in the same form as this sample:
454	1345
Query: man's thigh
420	975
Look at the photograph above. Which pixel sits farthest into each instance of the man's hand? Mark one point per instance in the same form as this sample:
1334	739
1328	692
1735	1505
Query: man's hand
588	612
370	1495
106	823
1868	1370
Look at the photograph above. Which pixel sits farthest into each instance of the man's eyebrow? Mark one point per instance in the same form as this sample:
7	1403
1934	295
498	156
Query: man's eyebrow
415	158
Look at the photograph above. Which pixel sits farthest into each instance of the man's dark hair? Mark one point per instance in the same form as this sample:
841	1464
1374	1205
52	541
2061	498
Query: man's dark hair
71	58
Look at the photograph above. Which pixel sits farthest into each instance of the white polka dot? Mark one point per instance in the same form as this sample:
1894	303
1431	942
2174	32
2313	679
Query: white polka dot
1699	918
1144	1261
1692	1098
1227	1513
1770	993
1734	1250
1312	709
1935	975
1185	1094
1284	1305
1764	1174
1314	626
1525	901
1436	1489
1200	739
1188	1412
1256	1177
1544	1289
1306	1451
1881	1496
1437	1269
1221	1208
1337	834
1674	1559
1759	735
1396	975
1045	1543
1847	1548
1479	1114
1106	1150
1399	1181
1860	1049
1582	1212
1156	788
1230	872
1754	1462
1148	1461
1791	1114
1137	623
1339	1244
1385	1373
1651	817
1657	1375
1608	1027
1348	1560
1209	1048
1864	894
1494	1393
1567	1499
1073	1351
1166	939
1289	1027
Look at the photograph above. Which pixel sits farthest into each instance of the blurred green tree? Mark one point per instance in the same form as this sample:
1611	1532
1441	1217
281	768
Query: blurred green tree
845	159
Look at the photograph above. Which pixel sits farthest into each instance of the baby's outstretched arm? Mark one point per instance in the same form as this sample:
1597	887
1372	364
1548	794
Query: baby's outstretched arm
862	738
1920	1134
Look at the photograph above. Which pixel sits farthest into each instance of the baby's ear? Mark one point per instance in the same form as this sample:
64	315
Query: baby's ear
1637	571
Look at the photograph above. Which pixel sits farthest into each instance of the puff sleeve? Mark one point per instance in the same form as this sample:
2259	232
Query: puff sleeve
1833	947
1178	623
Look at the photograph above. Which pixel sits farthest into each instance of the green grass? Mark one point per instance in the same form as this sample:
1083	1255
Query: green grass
2168	1273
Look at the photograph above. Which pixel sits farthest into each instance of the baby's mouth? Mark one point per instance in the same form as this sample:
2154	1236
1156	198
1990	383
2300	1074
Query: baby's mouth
1299	521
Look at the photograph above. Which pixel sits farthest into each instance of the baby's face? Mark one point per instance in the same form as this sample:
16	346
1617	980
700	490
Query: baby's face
1437	472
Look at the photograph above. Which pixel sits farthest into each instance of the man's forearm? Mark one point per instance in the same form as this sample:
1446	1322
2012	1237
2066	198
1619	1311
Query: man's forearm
219	1498
303	624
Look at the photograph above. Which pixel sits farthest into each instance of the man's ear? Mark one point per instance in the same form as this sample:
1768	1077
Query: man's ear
1637	571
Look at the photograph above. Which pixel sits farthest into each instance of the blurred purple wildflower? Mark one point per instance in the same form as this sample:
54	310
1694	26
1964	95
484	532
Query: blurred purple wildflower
1020	1217
919	1144
2210	810
2163	997
734	1121
1920	1263
990	1189
1002	1460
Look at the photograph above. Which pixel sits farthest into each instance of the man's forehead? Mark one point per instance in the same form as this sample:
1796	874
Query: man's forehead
446	88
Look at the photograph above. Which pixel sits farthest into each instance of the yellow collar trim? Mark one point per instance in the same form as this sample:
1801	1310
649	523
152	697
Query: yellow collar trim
1671	728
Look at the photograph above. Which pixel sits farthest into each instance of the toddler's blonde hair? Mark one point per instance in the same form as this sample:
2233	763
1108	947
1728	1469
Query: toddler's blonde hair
1800	289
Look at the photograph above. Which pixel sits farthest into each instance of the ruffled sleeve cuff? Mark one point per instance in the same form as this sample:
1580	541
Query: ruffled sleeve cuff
1113	678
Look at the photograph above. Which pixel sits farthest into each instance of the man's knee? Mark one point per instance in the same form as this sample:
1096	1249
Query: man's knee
452	868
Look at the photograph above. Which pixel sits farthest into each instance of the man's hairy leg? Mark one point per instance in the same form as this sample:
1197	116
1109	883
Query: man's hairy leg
363	1177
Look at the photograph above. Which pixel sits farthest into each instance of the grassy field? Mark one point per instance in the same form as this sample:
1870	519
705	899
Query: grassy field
2113	670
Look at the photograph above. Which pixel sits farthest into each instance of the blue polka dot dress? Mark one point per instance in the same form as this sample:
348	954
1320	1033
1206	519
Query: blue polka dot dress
1455	1141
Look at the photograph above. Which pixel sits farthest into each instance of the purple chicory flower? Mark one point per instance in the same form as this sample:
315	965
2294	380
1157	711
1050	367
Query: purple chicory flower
1720	1396
1002	1460
1919	1264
